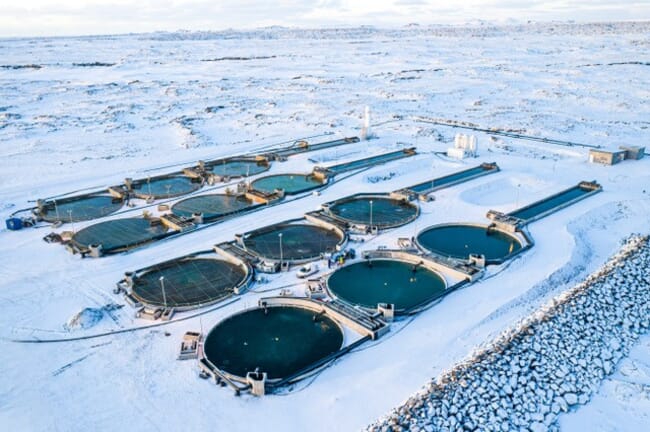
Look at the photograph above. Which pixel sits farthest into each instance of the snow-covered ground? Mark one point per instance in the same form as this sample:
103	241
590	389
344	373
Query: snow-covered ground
83	112
549	363
624	397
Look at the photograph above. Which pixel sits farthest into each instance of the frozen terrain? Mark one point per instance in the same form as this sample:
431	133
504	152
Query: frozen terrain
77	113
548	364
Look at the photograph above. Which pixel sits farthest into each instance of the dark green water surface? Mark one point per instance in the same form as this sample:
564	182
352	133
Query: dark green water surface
280	341
81	209
458	241
299	241
189	282
291	183
212	206
385	211
385	281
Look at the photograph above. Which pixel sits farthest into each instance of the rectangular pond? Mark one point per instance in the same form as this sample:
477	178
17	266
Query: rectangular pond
296	149
453	178
370	161
541	208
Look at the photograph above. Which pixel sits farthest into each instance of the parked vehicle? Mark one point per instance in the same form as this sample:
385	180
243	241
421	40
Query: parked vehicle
307	270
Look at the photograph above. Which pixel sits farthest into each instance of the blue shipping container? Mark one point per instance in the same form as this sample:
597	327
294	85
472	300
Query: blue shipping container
14	224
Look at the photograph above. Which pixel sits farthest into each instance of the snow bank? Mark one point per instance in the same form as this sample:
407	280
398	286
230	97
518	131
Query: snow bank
516	190
89	317
549	363
85	318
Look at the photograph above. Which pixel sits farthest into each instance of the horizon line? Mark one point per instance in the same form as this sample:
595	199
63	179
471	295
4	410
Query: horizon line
510	22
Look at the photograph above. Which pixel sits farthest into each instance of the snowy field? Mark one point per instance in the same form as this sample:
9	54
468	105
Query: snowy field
79	113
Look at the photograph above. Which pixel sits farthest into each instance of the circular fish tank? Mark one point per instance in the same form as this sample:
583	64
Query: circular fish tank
212	206
238	168
460	240
166	187
383	212
188	282
119	233
367	283
293	242
290	183
81	209
278	340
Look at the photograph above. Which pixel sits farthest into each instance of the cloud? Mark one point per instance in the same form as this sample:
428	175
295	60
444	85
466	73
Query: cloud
411	3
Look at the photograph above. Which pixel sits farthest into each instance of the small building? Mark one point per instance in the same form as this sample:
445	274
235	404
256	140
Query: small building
464	146
190	346
633	152
315	289
606	157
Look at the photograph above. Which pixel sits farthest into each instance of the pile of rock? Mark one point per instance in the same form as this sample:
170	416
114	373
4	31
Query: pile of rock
546	364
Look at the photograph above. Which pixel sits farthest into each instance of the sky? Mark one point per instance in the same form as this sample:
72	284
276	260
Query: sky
82	17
